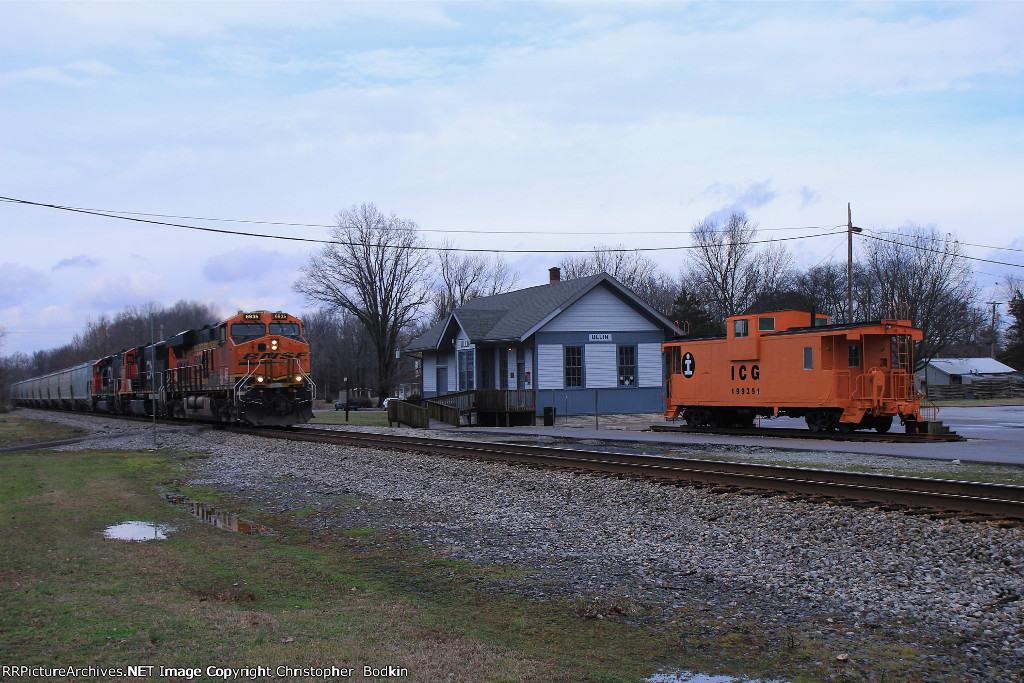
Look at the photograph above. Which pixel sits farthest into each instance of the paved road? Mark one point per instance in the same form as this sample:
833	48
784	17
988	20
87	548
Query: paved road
995	434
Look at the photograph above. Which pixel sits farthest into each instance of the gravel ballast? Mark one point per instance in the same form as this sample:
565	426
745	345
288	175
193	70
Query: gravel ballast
776	560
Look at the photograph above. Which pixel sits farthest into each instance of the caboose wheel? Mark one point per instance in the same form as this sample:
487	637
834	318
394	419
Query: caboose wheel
820	421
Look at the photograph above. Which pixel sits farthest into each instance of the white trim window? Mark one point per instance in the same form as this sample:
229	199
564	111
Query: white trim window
627	366
573	367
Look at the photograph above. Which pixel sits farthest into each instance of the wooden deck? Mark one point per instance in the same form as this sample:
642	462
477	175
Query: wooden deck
492	407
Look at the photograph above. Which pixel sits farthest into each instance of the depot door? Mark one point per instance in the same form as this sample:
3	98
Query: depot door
442	380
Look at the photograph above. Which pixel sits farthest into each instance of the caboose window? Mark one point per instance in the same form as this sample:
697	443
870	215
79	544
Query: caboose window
808	358
853	360
741	328
243	332
765	324
290	330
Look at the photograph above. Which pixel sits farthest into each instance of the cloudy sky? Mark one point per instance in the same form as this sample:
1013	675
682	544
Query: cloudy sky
599	123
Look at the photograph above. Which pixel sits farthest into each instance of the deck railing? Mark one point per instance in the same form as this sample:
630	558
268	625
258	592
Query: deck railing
408	414
443	413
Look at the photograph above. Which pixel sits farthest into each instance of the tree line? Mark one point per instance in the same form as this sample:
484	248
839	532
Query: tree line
379	284
379	270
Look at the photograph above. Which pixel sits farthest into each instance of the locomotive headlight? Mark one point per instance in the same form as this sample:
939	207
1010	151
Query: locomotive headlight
259	378
273	344
298	378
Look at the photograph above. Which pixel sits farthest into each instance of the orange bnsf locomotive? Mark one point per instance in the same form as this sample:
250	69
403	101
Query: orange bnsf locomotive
793	363
251	368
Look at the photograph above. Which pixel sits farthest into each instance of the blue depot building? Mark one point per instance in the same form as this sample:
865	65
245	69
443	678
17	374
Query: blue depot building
573	345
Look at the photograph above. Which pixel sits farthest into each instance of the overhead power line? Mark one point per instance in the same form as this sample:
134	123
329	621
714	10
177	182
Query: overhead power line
114	213
940	251
962	243
148	221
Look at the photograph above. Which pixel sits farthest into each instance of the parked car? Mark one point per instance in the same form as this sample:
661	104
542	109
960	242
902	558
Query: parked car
353	404
384	403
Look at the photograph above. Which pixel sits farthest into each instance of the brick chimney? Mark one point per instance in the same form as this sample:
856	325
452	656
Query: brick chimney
555	274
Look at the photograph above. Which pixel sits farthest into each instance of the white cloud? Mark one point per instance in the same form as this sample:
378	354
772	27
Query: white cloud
114	291
19	283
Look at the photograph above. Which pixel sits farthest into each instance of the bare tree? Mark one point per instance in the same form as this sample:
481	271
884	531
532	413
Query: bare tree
373	269
728	271
4	374
631	268
462	277
924	276
824	287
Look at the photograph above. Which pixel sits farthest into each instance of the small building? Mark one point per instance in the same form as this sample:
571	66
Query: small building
944	371
577	346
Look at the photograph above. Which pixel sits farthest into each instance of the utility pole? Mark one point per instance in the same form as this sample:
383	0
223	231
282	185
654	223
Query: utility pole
849	262
994	304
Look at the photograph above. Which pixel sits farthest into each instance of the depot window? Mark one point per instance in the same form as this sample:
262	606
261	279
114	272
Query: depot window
290	330
467	369
573	367
243	332
741	328
627	366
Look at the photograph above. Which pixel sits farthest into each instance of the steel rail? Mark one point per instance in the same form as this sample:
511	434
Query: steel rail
994	500
793	433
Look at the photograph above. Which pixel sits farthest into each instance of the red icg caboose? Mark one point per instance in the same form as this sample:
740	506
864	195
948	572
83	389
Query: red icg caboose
794	363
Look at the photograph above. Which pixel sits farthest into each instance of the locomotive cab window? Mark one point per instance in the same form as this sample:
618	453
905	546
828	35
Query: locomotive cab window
765	324
290	330
243	332
741	328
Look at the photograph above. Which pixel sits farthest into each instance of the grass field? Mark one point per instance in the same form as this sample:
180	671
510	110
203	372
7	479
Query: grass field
345	597
16	430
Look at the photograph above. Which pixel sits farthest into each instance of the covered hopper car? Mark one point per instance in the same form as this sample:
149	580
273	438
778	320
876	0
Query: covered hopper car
797	364
251	368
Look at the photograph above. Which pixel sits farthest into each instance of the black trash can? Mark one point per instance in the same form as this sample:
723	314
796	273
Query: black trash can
549	416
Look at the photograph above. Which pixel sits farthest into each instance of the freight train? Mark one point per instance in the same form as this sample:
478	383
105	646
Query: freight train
797	364
252	368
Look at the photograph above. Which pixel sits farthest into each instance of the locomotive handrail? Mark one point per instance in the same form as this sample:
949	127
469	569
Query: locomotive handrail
309	380
252	372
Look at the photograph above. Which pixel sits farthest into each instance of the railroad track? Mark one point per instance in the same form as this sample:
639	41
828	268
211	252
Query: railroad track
787	433
1000	501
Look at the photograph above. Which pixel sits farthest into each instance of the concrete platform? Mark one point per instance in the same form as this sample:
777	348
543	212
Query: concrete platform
995	434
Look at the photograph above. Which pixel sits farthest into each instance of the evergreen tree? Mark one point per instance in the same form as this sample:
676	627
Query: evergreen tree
691	314
1013	355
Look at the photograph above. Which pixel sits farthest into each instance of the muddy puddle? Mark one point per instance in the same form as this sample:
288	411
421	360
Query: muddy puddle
137	531
691	677
222	519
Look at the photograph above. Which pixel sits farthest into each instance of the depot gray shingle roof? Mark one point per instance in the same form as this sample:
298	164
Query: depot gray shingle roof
513	316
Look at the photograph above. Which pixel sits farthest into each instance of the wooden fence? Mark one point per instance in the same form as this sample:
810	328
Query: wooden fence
1002	387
